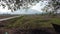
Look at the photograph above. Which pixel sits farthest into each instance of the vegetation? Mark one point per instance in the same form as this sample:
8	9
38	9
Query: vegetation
52	7
33	21
14	5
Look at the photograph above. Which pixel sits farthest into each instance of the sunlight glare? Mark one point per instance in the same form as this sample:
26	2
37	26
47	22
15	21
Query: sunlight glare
39	6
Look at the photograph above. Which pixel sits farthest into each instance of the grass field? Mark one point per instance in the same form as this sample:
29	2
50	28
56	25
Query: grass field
32	21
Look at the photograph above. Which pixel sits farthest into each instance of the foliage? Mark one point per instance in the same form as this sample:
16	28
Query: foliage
53	6
56	5
14	5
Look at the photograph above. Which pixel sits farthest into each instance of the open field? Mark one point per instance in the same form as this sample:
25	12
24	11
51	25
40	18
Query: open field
34	21
30	22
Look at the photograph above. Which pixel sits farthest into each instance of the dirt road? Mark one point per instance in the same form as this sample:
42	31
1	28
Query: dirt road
8	18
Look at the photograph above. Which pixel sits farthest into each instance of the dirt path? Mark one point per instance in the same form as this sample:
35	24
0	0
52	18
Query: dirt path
8	18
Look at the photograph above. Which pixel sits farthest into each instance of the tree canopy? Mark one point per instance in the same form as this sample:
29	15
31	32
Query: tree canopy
54	5
13	5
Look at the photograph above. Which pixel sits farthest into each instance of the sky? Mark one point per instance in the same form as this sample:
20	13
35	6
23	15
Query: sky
32	10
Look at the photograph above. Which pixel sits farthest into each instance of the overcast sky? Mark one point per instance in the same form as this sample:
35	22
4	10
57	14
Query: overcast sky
34	9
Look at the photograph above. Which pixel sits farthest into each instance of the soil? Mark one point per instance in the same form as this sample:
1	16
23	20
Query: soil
1	17
30	31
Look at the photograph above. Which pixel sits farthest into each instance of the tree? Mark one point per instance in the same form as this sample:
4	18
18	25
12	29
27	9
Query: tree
48	8
13	5
56	5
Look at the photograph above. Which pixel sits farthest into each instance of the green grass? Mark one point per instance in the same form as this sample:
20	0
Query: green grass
56	20
26	22
11	22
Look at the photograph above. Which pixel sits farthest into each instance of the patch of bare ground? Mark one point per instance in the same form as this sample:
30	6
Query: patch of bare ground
28	31
1	17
